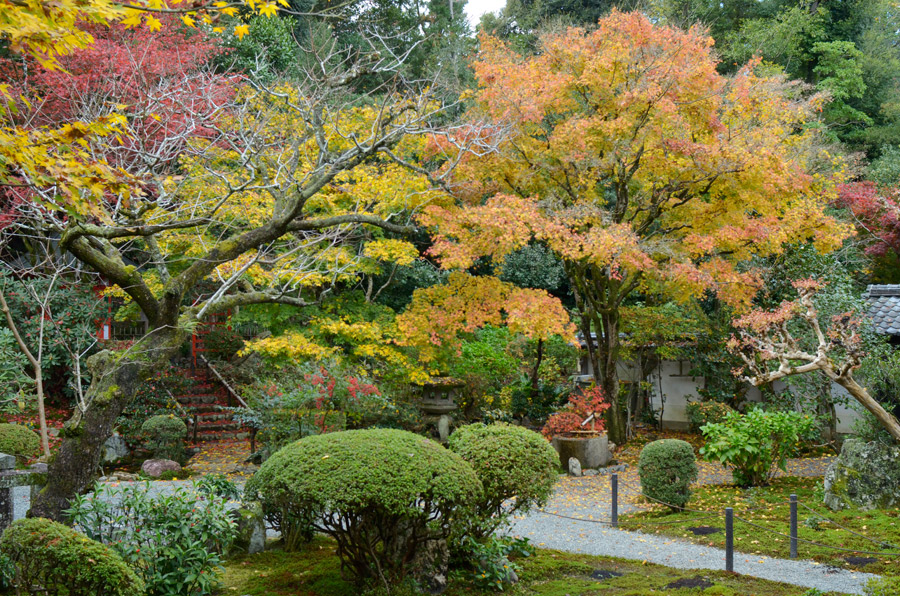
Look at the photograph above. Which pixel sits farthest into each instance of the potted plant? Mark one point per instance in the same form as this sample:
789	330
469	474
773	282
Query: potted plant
577	429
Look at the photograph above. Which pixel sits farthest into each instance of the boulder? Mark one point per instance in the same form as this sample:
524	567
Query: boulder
864	475
574	467
155	467
251	529
114	449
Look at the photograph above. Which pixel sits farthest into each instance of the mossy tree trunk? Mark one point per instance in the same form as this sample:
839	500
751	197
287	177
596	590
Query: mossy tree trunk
117	376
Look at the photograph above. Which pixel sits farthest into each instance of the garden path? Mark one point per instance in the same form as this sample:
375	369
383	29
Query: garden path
587	499
223	457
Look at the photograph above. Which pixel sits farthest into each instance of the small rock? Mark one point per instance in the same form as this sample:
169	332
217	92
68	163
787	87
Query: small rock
155	467
574	467
591	472
53	432
114	449
612	446
125	477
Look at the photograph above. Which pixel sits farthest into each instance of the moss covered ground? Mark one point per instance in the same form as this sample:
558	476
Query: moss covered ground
768	507
315	571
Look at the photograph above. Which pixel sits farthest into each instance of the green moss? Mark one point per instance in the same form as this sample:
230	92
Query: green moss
719	590
315	571
770	502
548	564
566	587
312	571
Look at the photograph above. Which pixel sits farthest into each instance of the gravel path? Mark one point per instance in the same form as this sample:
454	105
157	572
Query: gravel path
548	531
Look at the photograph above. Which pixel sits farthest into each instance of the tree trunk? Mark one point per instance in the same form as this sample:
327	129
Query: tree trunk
535	373
887	420
116	378
608	376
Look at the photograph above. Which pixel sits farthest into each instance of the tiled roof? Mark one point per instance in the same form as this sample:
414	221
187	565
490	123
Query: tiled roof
884	308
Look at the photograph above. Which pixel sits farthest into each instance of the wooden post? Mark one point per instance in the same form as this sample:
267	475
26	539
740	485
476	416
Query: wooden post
614	514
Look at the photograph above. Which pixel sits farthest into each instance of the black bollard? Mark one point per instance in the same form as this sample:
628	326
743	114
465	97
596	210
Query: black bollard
729	539
793	526
614	513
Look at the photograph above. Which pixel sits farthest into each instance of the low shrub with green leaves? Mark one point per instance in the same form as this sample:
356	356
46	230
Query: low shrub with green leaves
54	559
165	435
379	492
176	542
510	461
20	441
701	413
757	444
667	468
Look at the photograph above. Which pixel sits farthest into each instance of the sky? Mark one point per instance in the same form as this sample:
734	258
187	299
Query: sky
476	8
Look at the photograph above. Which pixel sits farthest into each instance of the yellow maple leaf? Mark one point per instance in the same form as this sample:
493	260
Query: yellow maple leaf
241	31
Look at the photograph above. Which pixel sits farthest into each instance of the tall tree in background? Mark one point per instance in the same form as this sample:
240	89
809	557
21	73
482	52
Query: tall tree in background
641	167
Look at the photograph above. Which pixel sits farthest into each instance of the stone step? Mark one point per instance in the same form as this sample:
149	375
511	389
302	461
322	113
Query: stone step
223	435
211	416
202	398
217	425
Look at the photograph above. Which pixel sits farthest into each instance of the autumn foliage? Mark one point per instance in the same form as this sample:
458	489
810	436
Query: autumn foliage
582	404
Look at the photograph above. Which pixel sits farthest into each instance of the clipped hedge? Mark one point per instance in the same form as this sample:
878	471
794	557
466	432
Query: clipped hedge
165	435
700	413
511	461
667	468
20	441
381	493
62	561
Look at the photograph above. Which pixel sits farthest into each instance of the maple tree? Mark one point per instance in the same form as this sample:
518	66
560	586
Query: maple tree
265	195
438	314
876	212
772	350
641	167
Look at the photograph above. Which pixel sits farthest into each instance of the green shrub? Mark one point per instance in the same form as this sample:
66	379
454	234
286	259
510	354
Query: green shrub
667	468
221	342
378	492
701	413
18	440
175	541
510	461
756	444
56	559
165	436
882	586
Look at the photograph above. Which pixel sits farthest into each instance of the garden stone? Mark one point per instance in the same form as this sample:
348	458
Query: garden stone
114	449
574	467
591	472
155	467
125	477
591	452
865	475
251	529
443	428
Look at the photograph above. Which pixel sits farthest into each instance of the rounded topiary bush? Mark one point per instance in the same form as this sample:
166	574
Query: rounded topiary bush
381	493
56	559
20	441
165	435
667	468
511	461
